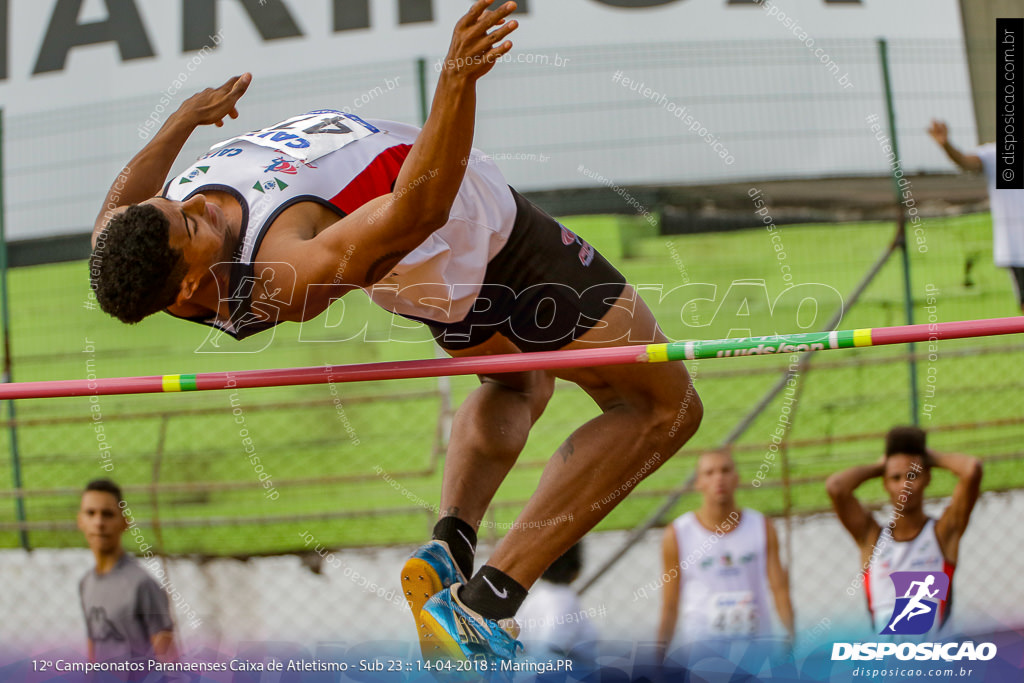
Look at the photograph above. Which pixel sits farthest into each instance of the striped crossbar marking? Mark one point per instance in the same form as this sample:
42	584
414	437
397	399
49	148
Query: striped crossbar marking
657	353
516	362
862	337
179	382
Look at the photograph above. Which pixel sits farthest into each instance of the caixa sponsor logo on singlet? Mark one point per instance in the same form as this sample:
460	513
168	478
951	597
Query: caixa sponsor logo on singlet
227	152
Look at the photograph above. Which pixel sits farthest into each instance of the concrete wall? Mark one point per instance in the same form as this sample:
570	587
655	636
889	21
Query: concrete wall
356	597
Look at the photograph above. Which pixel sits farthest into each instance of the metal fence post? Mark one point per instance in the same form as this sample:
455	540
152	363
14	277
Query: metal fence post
901	225
8	375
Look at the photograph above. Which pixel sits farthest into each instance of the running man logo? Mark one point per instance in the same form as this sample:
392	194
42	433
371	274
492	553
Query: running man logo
914	612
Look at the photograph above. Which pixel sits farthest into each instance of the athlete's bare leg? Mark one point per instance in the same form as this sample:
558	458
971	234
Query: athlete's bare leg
489	432
648	413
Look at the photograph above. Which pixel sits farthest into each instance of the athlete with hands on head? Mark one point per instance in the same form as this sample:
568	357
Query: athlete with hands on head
911	540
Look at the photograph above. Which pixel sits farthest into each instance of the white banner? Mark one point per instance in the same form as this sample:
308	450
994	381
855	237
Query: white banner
84	51
595	93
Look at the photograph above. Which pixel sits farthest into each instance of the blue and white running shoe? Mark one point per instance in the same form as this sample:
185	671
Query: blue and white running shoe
426	573
454	631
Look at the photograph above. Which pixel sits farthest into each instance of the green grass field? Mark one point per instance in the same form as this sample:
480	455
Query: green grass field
327	449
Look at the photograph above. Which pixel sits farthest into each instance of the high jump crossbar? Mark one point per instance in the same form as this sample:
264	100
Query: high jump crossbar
518	362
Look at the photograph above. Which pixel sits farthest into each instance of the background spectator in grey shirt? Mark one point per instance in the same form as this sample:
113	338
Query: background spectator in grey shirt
127	614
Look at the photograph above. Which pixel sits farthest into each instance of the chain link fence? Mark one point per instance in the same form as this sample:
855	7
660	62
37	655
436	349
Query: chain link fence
244	493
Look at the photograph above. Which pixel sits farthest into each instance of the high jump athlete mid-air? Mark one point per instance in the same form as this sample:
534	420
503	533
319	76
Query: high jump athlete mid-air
277	224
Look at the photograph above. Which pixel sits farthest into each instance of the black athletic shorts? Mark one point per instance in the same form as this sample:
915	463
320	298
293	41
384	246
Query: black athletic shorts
1017	273
543	290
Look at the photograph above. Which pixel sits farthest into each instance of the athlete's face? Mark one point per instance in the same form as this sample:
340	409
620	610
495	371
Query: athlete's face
905	479
717	477
101	521
198	229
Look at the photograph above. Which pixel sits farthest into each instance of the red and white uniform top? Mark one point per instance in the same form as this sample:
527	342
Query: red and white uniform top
342	162
725	592
920	554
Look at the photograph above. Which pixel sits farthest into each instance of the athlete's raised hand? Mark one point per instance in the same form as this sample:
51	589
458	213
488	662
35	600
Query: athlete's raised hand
939	132
213	104
968	162
479	40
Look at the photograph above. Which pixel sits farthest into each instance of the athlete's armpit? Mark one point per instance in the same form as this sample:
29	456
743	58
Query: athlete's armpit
382	266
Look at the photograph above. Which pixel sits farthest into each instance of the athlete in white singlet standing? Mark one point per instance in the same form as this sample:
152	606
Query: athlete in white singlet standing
721	567
911	541
277	224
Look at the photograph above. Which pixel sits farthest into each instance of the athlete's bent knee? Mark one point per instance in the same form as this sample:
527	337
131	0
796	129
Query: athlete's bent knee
679	419
542	386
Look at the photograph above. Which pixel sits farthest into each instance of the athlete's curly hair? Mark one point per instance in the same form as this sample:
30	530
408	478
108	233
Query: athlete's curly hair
133	269
907	440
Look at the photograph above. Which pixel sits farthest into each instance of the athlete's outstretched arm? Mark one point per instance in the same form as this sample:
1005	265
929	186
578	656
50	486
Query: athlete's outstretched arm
373	239
854	516
670	591
778	578
432	174
967	162
954	519
145	174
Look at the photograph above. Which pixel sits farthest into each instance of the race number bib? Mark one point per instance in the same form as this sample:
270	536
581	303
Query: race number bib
733	614
310	136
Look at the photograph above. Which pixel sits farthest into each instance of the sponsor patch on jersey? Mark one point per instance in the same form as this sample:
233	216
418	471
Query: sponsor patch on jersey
281	165
265	186
195	173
